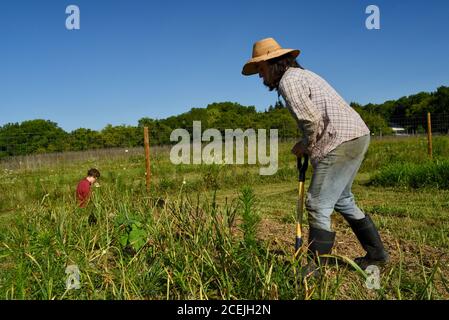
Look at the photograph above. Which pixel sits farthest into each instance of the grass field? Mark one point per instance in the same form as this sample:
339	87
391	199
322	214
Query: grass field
215	232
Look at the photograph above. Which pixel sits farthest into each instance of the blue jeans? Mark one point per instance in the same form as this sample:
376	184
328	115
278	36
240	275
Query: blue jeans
331	184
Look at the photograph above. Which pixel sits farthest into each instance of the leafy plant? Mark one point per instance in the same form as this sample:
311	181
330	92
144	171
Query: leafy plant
131	233
250	217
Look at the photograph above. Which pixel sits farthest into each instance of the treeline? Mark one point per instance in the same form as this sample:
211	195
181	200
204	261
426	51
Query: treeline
41	136
409	112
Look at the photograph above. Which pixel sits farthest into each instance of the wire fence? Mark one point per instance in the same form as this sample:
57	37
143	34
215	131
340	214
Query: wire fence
67	158
38	150
418	125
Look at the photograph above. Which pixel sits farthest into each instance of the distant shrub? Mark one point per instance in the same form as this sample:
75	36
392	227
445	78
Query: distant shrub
428	174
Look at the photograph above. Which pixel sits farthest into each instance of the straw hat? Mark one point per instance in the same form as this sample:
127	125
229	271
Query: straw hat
263	50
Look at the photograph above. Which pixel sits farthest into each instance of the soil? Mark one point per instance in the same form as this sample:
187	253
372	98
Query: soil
414	256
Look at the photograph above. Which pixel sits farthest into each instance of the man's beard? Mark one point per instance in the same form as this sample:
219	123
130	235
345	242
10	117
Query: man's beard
268	85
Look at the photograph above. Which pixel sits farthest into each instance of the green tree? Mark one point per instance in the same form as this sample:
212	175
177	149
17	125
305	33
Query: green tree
85	139
33	136
375	122
120	136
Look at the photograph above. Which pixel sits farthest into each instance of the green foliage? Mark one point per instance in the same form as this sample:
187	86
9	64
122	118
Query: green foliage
85	139
121	136
250	217
208	249
166	184
131	233
414	107
375	122
211	177
35	136
39	136
429	174
402	150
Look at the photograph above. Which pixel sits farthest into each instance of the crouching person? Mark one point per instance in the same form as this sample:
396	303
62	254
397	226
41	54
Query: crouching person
83	190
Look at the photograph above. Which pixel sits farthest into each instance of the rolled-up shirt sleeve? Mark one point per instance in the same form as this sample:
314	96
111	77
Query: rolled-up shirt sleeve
296	93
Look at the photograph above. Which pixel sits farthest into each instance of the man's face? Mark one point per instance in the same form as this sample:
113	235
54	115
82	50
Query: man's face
262	68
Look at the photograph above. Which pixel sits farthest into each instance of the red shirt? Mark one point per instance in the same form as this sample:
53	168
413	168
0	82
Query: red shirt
83	192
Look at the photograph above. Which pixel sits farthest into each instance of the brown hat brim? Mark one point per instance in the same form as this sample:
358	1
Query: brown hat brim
250	67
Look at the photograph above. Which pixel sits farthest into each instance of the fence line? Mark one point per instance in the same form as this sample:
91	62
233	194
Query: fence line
400	126
36	161
418	125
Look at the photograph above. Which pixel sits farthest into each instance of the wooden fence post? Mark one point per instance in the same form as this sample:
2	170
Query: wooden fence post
429	135
146	139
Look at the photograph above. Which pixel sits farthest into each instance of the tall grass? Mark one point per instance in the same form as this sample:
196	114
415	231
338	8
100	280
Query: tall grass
403	150
178	241
428	174
188	248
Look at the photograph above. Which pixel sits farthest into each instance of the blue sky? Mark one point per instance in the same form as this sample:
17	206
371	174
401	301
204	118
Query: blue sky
135	58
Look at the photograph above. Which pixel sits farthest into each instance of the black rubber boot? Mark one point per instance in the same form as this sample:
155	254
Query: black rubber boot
320	242
369	238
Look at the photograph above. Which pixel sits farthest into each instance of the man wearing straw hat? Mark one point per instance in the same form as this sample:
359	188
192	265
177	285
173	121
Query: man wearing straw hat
336	140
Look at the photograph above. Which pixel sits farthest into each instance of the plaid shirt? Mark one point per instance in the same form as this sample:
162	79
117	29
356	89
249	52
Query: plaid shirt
321	113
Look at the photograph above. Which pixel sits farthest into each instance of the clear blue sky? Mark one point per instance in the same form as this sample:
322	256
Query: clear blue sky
159	58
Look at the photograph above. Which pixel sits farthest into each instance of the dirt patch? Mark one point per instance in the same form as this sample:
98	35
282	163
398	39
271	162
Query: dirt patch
414	256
